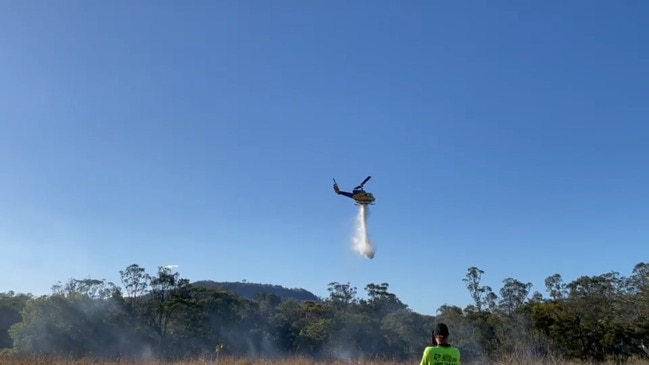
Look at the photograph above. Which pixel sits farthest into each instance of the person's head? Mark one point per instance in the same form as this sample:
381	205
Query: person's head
441	333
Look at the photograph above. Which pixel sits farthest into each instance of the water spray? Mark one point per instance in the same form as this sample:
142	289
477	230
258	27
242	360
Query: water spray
361	240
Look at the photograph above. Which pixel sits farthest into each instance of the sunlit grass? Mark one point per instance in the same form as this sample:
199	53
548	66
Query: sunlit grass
42	360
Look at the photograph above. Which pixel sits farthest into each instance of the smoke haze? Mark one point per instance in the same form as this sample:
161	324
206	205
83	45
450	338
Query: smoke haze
361	240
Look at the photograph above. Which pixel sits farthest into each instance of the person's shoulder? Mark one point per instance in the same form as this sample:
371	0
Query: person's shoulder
428	349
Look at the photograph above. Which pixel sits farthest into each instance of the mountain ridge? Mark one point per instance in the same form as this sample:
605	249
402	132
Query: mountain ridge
250	290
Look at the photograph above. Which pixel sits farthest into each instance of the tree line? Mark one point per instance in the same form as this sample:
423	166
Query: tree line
163	315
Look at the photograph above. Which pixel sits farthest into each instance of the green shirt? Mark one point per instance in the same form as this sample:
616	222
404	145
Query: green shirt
441	355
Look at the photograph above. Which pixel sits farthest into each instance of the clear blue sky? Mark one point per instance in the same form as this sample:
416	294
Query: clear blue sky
511	136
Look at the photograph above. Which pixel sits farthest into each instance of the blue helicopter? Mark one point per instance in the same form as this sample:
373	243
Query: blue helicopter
360	196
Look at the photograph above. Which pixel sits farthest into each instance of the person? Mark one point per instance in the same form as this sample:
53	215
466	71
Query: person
441	352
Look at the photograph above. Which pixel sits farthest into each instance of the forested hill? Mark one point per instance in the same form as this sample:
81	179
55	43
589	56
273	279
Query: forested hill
251	290
161	315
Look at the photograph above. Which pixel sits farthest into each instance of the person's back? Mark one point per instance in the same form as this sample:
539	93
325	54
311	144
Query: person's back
441	353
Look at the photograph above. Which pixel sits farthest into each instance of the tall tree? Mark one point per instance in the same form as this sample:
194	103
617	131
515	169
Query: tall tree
168	293
11	305
513	295
136	282
555	287
342	295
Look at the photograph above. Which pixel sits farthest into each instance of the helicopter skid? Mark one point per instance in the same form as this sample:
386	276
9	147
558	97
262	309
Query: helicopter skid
358	204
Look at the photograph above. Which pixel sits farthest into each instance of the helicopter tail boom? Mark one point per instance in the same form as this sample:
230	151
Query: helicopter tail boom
340	192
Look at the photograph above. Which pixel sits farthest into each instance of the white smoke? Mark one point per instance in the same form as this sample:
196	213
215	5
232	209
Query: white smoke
361	240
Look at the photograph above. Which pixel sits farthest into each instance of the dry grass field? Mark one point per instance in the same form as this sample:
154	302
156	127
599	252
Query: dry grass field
292	361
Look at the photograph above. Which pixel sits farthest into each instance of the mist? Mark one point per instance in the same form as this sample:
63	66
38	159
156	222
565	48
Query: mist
163	316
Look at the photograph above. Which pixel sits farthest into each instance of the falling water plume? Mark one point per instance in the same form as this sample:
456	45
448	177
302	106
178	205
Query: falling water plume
362	242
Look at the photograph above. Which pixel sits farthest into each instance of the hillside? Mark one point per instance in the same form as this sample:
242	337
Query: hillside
250	290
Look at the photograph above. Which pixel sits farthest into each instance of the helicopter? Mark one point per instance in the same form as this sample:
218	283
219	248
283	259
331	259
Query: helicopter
360	196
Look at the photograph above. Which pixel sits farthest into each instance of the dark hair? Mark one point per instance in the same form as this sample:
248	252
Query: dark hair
441	330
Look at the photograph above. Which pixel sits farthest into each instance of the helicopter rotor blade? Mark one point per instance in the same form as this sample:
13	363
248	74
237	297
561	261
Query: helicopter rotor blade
363	183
